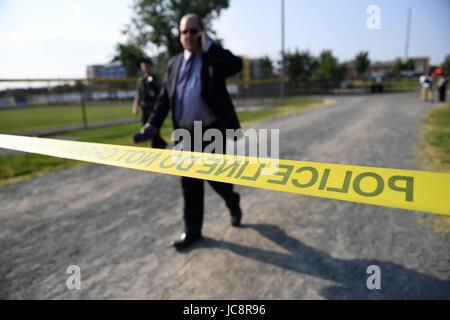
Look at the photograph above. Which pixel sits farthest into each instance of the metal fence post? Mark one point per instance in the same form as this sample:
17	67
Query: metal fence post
83	107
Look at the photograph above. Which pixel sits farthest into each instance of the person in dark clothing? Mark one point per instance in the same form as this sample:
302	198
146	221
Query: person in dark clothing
148	88
442	87
194	90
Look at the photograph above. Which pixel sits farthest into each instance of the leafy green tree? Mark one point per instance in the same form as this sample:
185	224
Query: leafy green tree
362	62
446	64
329	67
408	65
398	64
301	65
156	21
62	88
266	67
341	72
130	55
79	86
67	87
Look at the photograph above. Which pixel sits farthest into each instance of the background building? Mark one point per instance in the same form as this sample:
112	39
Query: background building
111	70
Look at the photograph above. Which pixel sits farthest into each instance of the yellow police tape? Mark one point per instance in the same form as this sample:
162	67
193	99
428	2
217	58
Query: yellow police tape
406	189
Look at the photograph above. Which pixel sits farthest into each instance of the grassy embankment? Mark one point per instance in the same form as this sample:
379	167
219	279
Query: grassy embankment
28	119
17	167
435	151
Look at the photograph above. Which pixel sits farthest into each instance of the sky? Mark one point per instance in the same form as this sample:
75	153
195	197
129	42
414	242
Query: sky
59	38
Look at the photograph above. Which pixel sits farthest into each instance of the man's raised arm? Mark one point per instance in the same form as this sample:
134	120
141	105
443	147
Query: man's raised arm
224	60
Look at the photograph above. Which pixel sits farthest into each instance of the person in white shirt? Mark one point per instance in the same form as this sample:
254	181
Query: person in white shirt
426	83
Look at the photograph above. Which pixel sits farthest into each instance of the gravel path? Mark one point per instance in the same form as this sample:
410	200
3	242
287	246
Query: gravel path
117	224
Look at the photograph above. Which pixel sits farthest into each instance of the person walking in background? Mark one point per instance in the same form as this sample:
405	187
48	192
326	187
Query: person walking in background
423	93
148	88
442	87
426	82
195	90
429	80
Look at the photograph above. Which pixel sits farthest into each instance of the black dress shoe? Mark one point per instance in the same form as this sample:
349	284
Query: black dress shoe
159	143
236	213
186	240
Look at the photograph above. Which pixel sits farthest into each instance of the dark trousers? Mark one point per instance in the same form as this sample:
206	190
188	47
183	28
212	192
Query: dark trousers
193	194
145	115
442	93
157	141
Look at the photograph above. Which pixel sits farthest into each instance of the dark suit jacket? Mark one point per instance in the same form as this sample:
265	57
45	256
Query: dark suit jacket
217	64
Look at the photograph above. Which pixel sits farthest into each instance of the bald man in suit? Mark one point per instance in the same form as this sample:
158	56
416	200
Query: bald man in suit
194	90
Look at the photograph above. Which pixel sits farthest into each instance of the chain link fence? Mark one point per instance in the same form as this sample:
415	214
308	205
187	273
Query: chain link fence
89	94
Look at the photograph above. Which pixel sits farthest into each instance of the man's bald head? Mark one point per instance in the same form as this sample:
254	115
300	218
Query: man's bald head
196	17
191	29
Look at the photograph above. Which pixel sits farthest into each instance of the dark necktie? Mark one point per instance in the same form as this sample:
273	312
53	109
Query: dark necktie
181	85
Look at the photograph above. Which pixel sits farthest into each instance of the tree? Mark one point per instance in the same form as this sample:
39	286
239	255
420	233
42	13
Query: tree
362	62
301	65
130	55
329	67
399	65
266	67
156	21
341	72
62	88
408	65
446	64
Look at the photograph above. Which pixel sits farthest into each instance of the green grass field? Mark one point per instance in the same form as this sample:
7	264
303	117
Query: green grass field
18	120
435	151
14	168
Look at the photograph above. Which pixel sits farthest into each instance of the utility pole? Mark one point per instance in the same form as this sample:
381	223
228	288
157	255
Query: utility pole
282	75
408	28
82	103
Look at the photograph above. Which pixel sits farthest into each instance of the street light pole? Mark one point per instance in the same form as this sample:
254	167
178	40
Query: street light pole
408	30
282	75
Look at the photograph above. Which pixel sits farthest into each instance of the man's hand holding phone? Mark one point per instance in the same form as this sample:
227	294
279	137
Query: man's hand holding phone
146	133
144	127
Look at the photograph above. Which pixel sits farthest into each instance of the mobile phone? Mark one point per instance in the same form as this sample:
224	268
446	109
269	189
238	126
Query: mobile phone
143	137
